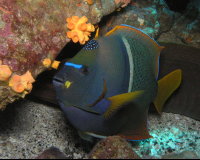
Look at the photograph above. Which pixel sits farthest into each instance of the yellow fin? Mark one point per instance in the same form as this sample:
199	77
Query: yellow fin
97	33
111	31
166	87
118	101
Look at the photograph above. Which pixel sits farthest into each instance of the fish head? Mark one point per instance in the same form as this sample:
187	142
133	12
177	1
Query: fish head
80	83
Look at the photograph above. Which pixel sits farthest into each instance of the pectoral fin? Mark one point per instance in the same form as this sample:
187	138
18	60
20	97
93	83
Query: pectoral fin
85	136
166	87
119	101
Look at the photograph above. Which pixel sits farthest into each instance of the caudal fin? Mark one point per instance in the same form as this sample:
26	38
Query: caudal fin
166	87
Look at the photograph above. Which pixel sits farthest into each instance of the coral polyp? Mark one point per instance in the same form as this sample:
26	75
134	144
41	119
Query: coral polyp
22	83
55	64
16	82
5	72
79	29
47	63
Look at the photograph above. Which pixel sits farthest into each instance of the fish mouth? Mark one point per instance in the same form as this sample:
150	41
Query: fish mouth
101	96
58	82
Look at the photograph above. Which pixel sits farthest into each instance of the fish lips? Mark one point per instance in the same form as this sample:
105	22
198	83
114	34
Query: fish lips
59	82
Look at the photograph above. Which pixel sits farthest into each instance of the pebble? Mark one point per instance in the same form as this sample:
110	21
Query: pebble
172	145
175	130
179	141
198	141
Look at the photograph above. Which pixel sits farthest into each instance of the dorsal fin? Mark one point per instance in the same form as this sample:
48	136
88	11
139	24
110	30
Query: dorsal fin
137	34
119	101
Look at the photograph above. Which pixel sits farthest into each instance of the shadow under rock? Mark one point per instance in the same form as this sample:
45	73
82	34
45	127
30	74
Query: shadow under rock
9	116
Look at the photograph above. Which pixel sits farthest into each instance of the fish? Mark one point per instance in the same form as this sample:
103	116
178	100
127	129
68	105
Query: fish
107	87
183	101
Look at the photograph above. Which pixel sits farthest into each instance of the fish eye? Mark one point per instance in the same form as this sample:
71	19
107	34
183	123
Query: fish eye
85	70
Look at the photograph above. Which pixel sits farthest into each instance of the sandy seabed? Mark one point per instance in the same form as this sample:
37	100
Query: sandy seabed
27	128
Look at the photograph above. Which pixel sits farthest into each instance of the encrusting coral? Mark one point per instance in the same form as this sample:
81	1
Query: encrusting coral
5	72
113	147
79	29
16	82
22	83
55	64
47	63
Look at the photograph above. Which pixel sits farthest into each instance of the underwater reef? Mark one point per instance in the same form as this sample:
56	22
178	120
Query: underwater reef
33	33
159	21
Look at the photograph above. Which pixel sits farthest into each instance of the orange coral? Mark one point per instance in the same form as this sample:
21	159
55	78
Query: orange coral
14	80
27	77
27	85
80	30
18	83
5	72
55	64
90	2
47	62
22	83
19	87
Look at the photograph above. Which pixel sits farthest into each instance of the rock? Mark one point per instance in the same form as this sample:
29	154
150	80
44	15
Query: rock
31	31
113	147
52	153
151	16
183	155
186	27
172	145
156	19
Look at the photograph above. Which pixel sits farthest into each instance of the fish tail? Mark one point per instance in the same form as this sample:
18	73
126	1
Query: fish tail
166	86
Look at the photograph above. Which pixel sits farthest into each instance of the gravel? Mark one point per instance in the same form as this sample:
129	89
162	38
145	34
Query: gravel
27	128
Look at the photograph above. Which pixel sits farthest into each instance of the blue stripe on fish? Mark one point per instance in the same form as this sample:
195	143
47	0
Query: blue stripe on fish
77	66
